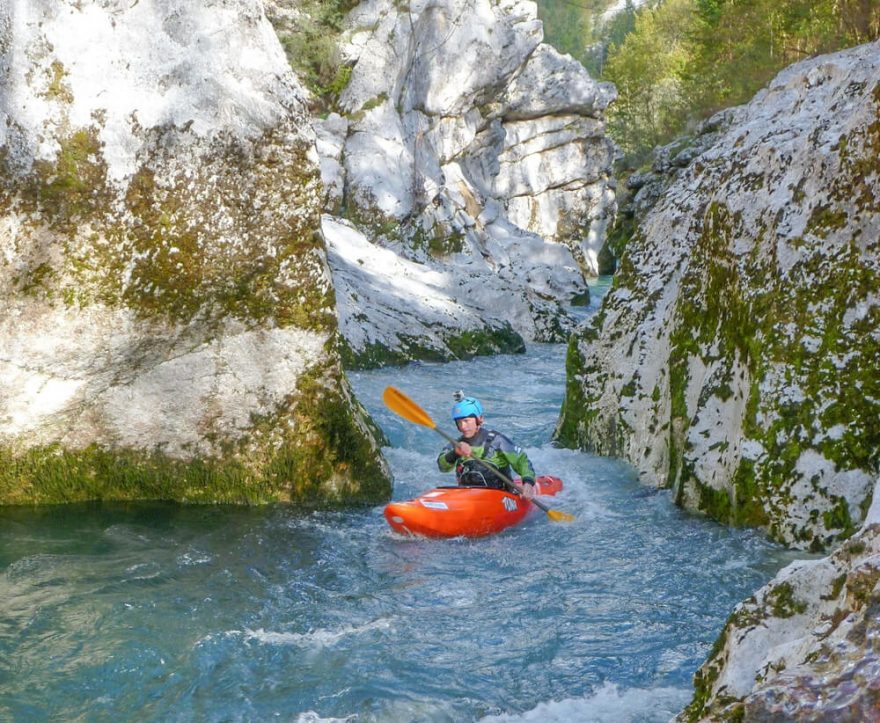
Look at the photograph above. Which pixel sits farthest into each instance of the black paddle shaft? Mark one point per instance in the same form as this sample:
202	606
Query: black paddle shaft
504	478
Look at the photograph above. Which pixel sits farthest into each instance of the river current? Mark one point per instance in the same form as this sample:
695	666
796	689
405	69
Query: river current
163	612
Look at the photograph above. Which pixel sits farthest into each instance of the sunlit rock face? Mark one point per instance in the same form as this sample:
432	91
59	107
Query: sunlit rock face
476	151
736	357
805	647
419	318
166	314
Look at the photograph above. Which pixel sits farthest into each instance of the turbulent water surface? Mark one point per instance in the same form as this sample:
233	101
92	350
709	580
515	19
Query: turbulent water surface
163	612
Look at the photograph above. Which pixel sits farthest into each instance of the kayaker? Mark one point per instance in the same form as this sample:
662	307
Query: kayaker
488	445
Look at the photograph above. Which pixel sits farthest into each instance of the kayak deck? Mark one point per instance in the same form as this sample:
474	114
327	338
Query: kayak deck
464	511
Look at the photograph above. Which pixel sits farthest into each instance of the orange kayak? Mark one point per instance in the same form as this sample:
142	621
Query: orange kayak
464	511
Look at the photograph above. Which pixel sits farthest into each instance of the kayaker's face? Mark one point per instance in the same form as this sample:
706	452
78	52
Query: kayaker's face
468	426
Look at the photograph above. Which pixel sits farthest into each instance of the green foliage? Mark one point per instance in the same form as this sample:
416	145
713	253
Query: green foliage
647	68
709	10
568	27
686	59
618	27
311	45
579	29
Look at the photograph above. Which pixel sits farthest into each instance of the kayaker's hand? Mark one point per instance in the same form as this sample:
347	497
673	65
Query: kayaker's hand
463	449
526	490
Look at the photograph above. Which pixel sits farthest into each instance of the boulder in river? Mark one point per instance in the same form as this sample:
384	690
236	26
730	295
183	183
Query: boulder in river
806	646
167	325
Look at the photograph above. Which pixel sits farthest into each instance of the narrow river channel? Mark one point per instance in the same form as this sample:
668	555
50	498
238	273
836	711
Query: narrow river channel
171	613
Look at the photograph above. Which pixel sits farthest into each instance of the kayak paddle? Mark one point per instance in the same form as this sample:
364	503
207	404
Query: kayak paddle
401	404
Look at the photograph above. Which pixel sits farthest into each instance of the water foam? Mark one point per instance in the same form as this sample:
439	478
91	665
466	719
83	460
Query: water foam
609	704
319	638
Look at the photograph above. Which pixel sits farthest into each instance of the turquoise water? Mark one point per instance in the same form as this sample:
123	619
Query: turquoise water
163	612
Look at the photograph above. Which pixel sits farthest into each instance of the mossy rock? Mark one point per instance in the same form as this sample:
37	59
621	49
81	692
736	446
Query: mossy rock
184	253
451	347
317	449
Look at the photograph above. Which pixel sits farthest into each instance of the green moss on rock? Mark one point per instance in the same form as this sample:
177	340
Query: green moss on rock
486	341
315	449
575	409
707	675
58	89
838	519
330	455
67	191
861	586
737	316
466	345
187	249
172	253
737	309
52	474
438	243
783	603
581	299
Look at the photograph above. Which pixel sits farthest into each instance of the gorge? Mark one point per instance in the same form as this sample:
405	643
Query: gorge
190	259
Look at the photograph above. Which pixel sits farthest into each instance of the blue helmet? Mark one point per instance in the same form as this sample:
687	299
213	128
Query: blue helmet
467	407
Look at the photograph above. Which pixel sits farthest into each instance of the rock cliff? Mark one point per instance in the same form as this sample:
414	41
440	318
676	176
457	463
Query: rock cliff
167	323
735	359
475	154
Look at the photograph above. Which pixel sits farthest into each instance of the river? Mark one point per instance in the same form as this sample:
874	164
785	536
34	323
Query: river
175	613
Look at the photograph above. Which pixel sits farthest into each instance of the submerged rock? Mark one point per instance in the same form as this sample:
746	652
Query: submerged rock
736	357
470	148
167	319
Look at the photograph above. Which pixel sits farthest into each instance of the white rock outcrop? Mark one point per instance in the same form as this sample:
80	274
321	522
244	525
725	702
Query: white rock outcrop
473	149
806	646
166	313
736	358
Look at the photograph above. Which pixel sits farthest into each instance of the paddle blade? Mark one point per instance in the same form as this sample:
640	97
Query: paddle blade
559	516
401	404
555	515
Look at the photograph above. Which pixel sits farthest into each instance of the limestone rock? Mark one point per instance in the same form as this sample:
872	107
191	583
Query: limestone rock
806	646
419	317
330	142
735	359
478	152
167	322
